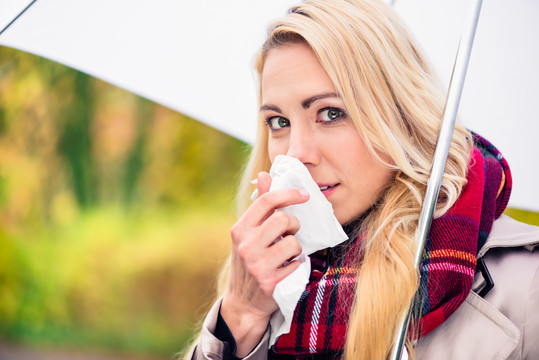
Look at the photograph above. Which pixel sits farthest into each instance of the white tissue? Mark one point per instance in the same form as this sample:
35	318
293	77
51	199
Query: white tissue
319	229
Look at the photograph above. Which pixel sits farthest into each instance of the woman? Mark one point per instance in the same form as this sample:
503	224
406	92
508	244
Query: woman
344	89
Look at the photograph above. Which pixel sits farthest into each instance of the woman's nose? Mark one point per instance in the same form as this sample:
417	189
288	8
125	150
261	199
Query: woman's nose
303	146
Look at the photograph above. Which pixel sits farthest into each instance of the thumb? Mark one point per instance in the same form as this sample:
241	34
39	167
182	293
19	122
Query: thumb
264	182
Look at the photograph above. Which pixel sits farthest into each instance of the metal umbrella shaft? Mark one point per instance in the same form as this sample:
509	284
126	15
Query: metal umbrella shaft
440	156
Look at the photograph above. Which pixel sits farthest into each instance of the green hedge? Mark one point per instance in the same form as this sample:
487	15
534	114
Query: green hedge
111	280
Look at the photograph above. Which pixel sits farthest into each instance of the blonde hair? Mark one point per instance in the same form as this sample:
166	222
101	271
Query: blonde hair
396	103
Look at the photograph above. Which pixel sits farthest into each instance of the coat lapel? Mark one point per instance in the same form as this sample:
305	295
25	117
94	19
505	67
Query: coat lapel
475	331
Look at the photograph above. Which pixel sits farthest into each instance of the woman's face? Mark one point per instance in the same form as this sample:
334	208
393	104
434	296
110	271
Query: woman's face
307	120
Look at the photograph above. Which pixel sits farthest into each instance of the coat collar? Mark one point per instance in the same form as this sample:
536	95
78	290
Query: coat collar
507	232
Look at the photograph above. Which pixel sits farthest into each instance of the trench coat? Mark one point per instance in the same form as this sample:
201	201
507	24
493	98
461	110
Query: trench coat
504	324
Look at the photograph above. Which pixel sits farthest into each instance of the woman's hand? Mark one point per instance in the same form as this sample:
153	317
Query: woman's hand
257	262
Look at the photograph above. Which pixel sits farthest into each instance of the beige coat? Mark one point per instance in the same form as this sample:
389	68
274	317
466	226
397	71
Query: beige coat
503	325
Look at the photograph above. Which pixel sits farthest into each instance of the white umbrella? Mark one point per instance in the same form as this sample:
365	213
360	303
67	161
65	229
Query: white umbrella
192	56
196	58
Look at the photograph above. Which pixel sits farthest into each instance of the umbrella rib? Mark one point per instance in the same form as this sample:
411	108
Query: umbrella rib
16	17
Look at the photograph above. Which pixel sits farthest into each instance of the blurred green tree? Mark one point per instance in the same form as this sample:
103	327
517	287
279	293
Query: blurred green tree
75	139
105	200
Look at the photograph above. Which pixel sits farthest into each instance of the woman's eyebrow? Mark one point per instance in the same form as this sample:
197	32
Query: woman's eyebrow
305	103
271	108
308	102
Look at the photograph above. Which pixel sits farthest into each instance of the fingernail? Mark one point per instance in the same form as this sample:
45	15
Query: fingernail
254	181
304	192
254	195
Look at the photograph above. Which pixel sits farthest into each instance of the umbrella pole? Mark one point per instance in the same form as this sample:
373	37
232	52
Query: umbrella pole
440	157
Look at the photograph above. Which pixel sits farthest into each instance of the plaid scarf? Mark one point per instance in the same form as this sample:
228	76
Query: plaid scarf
447	271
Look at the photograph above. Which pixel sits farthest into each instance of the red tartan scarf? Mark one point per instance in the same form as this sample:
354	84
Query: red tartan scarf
321	316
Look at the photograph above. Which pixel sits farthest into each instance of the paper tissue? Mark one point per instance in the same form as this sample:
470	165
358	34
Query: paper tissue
319	230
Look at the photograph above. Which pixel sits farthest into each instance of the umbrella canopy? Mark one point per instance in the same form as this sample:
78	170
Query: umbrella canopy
197	58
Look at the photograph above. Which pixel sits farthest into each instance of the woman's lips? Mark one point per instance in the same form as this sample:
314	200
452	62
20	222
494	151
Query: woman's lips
327	189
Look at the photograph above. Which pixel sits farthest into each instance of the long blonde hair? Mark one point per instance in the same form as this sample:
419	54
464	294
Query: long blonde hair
396	103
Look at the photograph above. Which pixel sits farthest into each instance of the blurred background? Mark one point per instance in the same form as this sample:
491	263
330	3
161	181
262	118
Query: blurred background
114	216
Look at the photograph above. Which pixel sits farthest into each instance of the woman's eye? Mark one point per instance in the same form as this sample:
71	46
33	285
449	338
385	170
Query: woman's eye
277	122
330	114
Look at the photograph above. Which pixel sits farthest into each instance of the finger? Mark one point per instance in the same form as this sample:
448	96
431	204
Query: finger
264	182
267	203
277	225
284	271
268	283
256	250
283	252
265	265
262	263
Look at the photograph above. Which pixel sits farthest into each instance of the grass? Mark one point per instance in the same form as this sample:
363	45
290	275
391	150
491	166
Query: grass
526	216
